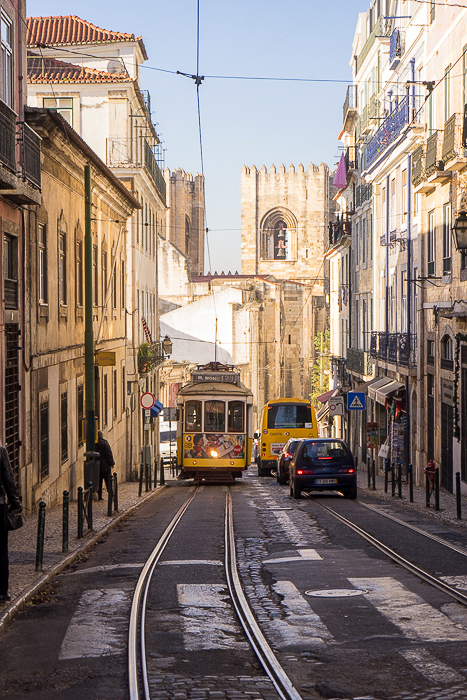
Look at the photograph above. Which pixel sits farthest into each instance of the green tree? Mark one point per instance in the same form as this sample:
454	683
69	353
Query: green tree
321	367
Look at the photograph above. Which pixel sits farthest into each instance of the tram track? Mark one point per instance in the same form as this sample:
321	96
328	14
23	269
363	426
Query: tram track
392	554
137	666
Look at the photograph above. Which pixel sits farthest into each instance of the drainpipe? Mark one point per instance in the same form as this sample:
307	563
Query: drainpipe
409	311
386	313
88	332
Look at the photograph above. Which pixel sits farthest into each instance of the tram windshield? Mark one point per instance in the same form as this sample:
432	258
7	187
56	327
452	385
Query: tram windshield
214	417
289	416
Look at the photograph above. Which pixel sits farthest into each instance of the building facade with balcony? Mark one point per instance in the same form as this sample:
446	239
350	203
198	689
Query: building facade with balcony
98	93
20	193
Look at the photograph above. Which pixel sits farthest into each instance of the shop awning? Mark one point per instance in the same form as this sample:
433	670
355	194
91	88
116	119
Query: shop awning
323	413
327	395
387	390
365	385
382	381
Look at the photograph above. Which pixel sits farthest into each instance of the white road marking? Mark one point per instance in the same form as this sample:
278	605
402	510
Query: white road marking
457	613
176	562
305	555
98	626
408	611
301	624
459	582
291	531
429	666
207	620
107	567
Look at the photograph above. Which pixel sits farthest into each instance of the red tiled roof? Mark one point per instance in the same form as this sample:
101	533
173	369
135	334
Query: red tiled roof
70	30
50	70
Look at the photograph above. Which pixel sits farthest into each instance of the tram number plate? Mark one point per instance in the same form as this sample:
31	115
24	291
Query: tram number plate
325	481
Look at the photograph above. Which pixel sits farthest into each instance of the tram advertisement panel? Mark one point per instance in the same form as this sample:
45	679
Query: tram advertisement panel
213	446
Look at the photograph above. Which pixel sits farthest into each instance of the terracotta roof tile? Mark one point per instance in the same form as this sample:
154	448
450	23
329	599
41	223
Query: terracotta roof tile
50	70
70	30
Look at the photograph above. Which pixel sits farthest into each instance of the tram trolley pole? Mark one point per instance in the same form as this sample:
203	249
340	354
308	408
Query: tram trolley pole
65	520
40	536
458	496
410	474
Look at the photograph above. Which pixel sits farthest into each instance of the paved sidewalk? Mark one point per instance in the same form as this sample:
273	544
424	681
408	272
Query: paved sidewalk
447	501
25	582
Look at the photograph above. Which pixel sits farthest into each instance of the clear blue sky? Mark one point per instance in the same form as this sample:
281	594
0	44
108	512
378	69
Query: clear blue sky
243	122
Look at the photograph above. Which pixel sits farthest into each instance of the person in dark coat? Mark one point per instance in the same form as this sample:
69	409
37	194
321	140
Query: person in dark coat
106	461
8	496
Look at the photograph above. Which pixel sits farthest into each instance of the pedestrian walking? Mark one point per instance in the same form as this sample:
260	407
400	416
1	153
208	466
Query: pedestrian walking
106	462
8	497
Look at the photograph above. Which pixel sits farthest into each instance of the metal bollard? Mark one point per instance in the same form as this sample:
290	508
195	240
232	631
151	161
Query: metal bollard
80	513
393	480
368	470
90	505
386	477
399	481
40	536
141	473
115	492
458	496
65	520
146	476
373	473
427	490
437	488
150	475
155	472
110	495
162	473
410	472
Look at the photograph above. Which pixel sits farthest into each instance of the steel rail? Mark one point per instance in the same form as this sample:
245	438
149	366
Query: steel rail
141	590
263	651
440	540
421	573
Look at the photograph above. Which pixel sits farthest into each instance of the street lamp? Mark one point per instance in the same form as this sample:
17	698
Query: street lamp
167	345
459	229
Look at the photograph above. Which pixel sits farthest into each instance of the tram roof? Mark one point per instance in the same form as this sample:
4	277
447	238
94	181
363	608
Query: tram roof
220	388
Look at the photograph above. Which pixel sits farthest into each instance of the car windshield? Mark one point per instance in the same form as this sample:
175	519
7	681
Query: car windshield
325	451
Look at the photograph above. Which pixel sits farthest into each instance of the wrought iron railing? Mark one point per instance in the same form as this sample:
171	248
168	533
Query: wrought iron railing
363	194
397	348
123	152
359	361
338	229
431	159
382	28
395	48
350	101
339	365
351	158
387	132
30	154
452	142
7	137
150	355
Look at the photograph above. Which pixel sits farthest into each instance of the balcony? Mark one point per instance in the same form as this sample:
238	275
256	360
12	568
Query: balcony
363	194
381	30
30	155
389	130
374	109
339	229
395	48
397	348
351	158
339	366
418	173
358	361
453	153
350	113
365	126
128	153
432	154
7	147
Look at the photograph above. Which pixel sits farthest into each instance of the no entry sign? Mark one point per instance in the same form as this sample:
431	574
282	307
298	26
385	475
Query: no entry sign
147	400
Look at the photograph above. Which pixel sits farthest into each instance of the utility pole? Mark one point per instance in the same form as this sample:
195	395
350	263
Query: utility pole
88	333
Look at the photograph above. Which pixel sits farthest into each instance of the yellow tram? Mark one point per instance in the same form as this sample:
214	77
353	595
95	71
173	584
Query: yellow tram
214	424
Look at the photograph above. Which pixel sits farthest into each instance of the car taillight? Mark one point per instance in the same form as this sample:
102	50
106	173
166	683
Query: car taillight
304	471
347	470
287	455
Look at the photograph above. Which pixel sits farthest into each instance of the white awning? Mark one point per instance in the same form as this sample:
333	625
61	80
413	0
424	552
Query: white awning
323	413
382	381
387	390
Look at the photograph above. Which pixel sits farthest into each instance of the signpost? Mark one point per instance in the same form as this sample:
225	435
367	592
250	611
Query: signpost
336	406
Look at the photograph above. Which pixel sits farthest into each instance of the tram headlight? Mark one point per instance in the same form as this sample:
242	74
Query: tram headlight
214	454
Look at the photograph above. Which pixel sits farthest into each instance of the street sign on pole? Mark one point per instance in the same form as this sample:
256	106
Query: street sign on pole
147	400
356	400
336	406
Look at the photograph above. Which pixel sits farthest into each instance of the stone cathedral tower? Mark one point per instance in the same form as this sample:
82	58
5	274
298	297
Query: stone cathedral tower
285	217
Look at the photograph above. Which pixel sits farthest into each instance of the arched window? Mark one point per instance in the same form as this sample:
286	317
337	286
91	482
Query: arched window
447	353
278	232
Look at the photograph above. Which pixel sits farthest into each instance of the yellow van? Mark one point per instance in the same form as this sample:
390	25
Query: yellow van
282	419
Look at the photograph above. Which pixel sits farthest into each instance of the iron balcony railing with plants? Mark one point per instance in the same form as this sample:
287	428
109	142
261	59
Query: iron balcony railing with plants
129	152
7	137
452	142
340	228
150	355
339	367
418	174
363	194
359	361
431	159
397	348
389	130
30	154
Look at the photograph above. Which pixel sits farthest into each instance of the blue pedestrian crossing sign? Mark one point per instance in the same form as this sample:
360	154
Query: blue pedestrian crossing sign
356	400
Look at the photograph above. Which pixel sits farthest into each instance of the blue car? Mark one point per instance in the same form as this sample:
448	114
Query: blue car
323	464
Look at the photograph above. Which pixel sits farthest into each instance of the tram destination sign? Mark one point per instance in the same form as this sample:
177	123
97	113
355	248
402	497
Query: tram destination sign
224	377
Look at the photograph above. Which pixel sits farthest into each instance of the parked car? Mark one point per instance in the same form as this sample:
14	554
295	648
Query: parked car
323	464
285	456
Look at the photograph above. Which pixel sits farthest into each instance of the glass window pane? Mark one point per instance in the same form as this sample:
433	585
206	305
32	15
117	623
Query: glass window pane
235	417
193	416
289	416
214	417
